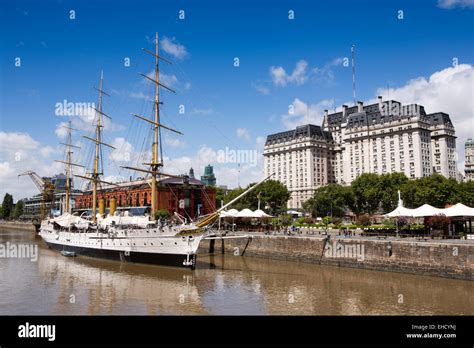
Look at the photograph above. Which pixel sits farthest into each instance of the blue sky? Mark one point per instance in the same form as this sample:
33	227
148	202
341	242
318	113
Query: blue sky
62	58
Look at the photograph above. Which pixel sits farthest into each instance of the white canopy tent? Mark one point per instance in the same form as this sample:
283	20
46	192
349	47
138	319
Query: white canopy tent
400	211
426	210
229	213
260	213
245	213
458	209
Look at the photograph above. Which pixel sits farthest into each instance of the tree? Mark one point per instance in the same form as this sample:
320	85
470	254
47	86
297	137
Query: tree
465	194
408	192
18	210
239	205
436	190
439	224
364	220
388	190
7	206
220	196
367	195
162	214
272	193
330	200
326	221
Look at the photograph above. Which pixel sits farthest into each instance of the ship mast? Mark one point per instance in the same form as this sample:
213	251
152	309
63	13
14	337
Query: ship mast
156	134
69	164
95	175
156	162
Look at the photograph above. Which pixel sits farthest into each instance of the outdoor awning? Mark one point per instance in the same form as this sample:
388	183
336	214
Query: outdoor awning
260	213
459	209
229	213
400	211
426	210
245	213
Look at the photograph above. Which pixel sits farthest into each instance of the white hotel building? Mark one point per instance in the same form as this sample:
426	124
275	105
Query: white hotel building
381	138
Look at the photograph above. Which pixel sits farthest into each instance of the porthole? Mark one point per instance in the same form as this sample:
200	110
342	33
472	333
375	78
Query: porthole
175	243
161	243
151	243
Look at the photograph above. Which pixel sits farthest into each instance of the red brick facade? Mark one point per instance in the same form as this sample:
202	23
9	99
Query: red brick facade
170	193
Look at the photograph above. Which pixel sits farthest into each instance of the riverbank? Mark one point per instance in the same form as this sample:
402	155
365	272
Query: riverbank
449	259
17	225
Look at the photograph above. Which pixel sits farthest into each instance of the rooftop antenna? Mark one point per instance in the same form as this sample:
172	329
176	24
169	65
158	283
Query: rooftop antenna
238	174
307	113
353	74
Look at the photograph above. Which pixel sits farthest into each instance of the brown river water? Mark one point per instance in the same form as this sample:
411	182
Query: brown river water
220	285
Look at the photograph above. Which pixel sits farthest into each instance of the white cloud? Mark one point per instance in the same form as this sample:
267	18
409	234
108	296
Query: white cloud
301	74
47	151
168	80
230	174
281	78
180	165
85	120
22	142
243	133
115	178
449	4
449	91
61	131
234	176
198	111
300	113
278	76
171	46
124	151
174	142
260	142
140	95
261	89
20	152
326	73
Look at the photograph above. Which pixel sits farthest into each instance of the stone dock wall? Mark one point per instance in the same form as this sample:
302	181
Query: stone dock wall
15	225
450	259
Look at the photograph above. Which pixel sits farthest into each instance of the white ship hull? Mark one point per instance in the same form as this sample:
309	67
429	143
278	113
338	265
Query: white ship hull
154	245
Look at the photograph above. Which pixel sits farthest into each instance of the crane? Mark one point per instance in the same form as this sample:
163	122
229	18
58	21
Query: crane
45	187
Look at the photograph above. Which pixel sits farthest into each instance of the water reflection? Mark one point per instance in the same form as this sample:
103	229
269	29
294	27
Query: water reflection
219	285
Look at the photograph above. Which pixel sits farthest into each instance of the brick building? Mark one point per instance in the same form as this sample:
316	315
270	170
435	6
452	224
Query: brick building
188	197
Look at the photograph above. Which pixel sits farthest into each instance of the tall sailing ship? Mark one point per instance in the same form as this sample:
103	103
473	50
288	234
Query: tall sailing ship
123	237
